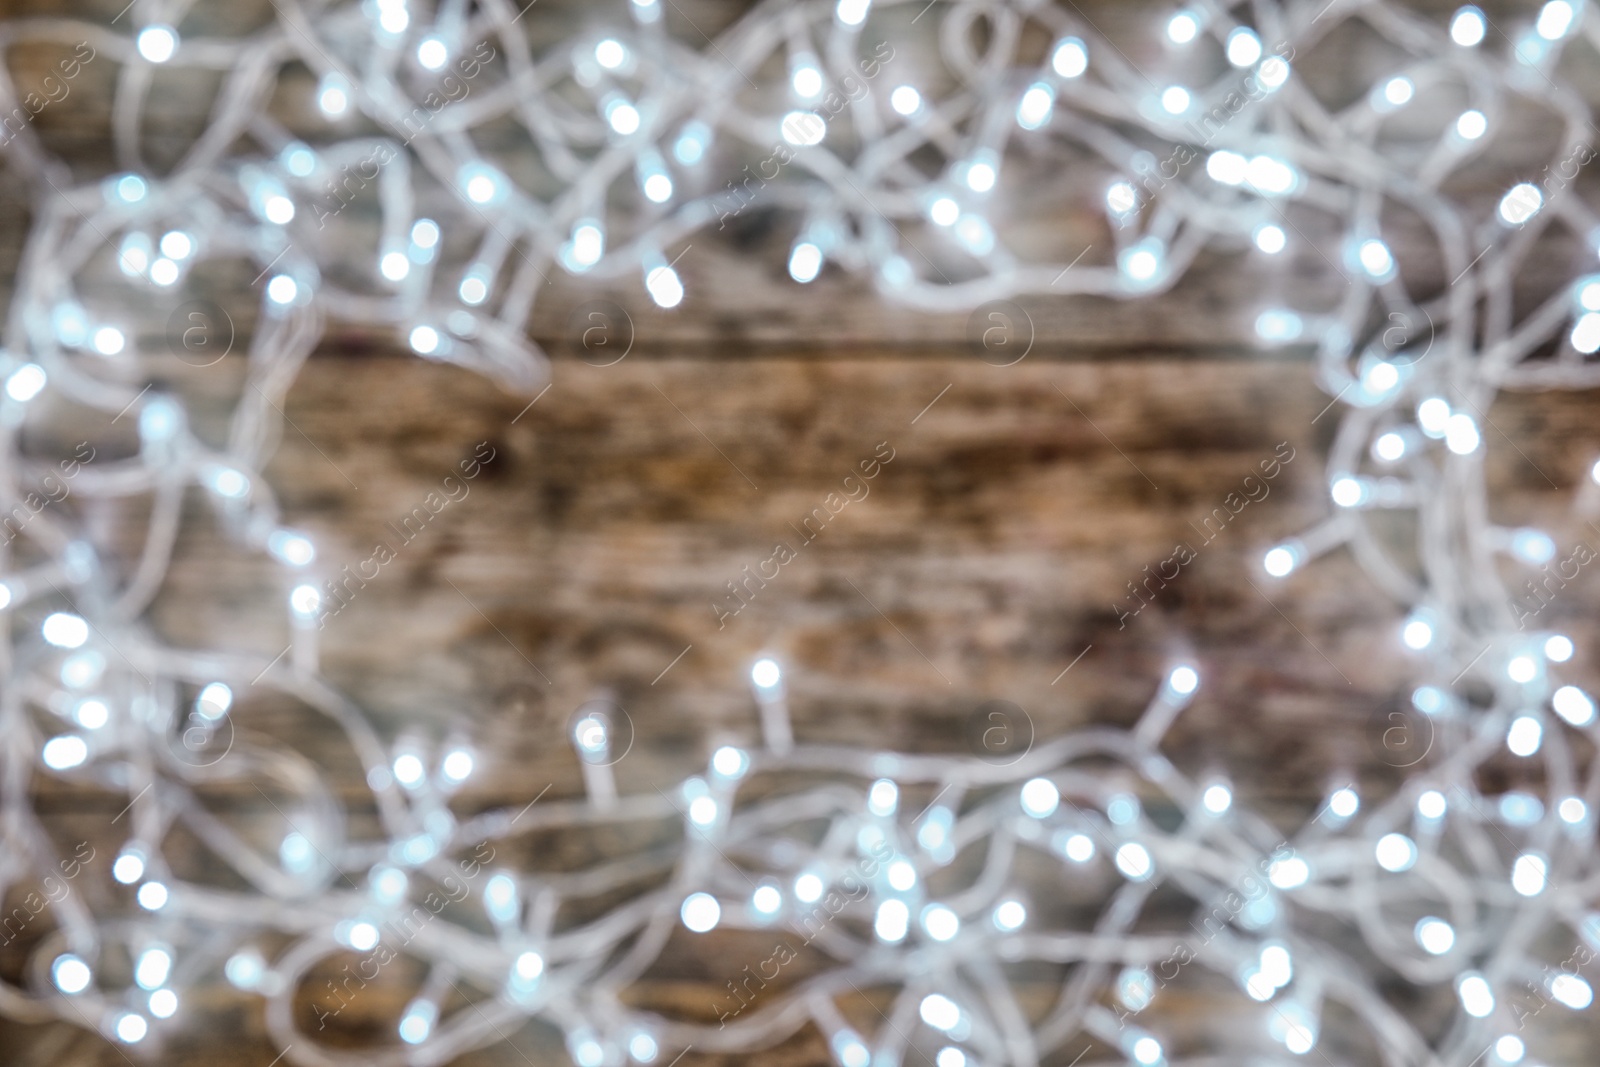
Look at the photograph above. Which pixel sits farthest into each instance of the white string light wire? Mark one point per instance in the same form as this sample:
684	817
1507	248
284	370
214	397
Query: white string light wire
399	200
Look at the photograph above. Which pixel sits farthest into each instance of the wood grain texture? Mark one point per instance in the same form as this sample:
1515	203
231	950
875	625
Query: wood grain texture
989	560
995	546
991	551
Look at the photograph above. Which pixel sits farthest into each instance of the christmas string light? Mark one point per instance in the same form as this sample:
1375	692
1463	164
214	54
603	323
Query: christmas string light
427	225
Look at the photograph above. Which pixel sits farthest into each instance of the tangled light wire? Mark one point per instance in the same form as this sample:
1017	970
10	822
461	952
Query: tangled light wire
909	874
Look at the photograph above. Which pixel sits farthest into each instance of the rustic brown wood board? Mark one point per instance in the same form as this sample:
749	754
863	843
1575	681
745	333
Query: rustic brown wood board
990	561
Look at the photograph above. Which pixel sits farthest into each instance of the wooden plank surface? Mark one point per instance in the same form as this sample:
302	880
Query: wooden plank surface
993	548
990	554
1049	205
989	560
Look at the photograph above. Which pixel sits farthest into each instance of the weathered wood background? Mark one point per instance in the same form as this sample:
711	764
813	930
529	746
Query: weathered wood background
993	553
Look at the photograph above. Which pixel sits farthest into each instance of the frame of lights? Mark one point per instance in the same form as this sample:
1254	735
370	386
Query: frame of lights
1442	886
